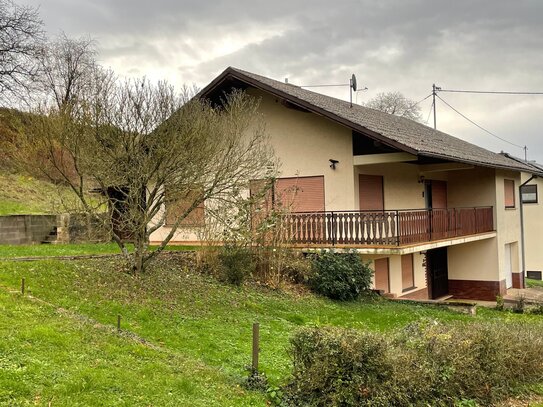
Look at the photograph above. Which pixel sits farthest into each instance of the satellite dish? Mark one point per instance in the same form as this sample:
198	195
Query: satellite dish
353	82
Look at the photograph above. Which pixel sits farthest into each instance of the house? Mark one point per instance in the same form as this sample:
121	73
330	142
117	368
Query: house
435	215
531	215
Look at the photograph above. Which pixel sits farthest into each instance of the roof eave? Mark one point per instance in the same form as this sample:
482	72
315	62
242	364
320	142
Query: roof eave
482	164
230	72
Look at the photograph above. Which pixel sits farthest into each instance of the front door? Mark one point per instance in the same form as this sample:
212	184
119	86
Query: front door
438	274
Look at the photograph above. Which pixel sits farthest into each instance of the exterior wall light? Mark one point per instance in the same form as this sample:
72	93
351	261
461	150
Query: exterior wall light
333	163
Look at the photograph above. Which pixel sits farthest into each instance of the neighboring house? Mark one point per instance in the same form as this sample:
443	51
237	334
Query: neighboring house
531	221
435	215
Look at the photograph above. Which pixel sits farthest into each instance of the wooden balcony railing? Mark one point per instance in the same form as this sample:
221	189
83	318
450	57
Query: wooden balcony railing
385	228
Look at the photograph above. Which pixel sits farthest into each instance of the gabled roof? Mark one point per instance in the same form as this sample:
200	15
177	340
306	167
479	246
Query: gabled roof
398	132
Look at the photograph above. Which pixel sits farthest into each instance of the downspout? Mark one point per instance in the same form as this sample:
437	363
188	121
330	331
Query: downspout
522	225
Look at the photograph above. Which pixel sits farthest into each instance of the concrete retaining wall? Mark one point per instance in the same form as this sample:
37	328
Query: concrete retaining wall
78	228
65	228
26	229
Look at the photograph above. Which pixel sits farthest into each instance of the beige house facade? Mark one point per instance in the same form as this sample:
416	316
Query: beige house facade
435	216
532	213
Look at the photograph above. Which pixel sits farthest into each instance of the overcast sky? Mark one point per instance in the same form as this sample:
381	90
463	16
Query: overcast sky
402	45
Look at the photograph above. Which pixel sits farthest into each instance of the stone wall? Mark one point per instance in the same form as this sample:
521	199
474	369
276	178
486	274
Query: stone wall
65	228
79	228
26	229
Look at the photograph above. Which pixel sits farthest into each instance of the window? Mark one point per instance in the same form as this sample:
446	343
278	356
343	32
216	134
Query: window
175	207
408	276
529	193
509	193
381	275
298	194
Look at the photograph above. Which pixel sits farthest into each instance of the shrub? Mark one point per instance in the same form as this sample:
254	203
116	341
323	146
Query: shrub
424	364
236	264
500	303
520	304
536	310
279	265
336	367
340	276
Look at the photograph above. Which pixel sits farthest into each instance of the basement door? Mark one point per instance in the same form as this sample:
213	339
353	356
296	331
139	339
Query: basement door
438	273
508	266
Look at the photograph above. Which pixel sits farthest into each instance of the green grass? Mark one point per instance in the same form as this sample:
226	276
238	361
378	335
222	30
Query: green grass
196	317
44	250
48	358
22	194
533	283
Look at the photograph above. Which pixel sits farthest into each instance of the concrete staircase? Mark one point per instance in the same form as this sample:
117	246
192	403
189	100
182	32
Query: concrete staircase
52	237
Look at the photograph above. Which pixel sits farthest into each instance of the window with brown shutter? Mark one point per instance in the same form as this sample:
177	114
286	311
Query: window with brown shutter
177	207
381	275
370	192
408	277
297	194
509	193
300	194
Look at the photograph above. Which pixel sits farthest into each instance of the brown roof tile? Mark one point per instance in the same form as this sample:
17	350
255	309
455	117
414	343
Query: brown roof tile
399	132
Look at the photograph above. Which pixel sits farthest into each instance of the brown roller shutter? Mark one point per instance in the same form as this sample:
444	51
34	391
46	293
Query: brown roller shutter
439	194
509	192
370	192
177	207
381	275
408	280
301	194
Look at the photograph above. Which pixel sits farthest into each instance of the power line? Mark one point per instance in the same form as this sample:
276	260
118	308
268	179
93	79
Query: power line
420	101
481	127
494	92
323	86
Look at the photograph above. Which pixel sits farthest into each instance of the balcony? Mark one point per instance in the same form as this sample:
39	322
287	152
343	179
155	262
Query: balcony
393	228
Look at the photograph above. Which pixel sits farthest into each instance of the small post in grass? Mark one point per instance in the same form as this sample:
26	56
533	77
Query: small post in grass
256	347
23	286
118	322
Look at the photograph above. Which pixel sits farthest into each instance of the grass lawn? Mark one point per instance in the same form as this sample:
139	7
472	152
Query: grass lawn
48	358
22	194
44	250
195	318
533	283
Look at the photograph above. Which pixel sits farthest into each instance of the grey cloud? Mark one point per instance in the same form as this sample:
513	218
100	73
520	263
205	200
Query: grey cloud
390	45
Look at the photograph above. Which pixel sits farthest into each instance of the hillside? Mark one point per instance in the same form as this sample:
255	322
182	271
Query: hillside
22	194
19	192
186	337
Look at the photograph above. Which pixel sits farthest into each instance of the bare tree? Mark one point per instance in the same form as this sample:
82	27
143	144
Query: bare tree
21	34
397	104
144	148
68	68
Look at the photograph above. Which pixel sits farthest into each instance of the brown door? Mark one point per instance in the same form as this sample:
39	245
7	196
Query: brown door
382	275
436	194
439	195
370	192
408	278
436	200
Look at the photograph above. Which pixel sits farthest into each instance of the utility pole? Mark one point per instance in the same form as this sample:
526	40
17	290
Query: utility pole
434	89
525	153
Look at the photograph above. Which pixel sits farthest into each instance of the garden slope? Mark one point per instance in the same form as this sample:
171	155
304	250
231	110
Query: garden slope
192	316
